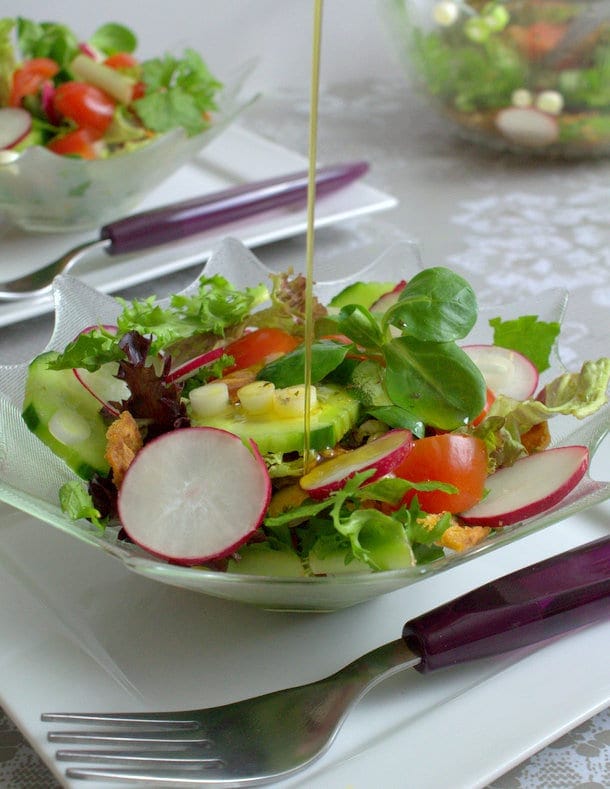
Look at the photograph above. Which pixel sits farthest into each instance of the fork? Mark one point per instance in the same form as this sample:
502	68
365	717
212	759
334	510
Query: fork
157	226
266	738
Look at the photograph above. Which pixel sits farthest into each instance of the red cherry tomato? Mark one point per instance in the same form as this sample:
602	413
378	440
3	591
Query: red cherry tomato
87	106
538	39
489	399
257	346
121	61
139	90
456	459
79	142
29	78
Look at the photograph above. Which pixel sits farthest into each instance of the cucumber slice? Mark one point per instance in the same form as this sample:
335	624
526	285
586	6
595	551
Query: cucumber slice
259	558
336	412
65	416
363	293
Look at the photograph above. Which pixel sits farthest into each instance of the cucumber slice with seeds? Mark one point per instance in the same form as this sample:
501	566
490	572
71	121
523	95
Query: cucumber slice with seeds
336	412
65	416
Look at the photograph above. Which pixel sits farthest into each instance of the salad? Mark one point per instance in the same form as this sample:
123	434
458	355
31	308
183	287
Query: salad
192	433
529	75
94	98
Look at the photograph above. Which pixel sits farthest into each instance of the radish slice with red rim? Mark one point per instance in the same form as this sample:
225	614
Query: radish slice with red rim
389	299
15	125
505	371
47	98
194	364
530	486
384	455
194	494
103	383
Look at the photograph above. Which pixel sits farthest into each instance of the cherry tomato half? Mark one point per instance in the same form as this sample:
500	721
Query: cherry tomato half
257	346
29	78
456	459
79	142
489	399
88	106
121	61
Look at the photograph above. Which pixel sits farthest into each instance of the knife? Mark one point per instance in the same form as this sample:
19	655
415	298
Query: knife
171	222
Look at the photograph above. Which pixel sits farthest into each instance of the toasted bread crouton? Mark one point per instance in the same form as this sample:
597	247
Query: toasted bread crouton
457	537
460	537
536	438
124	441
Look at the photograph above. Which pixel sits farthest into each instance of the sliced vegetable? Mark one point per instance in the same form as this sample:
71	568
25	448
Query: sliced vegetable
80	142
30	77
505	371
450	458
174	500
389	298
335	412
530	486
260	346
528	126
104	385
65	416
15	125
384	455
86	105
108	79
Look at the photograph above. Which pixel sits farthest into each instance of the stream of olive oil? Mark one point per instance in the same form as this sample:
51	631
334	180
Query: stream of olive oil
311	200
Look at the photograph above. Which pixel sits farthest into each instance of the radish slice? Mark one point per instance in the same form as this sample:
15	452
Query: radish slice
384	455
15	125
388	300
530	486
47	96
505	372
527	126
194	364
88	50
104	385
194	494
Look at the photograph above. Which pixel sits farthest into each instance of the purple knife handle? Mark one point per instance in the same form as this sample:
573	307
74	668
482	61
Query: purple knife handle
168	223
523	608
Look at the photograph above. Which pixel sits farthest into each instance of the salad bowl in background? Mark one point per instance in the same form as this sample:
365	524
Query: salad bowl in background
524	76
31	475
41	191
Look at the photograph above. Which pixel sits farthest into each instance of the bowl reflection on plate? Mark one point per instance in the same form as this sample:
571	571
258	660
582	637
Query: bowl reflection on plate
30	475
43	192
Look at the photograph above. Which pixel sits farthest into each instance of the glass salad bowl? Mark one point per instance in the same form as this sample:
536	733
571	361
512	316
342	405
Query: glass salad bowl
31	475
44	192
528	76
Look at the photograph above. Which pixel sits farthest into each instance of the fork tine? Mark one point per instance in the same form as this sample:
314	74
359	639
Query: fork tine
174	778
129	737
177	720
184	758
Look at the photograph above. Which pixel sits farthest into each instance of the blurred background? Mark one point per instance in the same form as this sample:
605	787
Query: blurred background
228	32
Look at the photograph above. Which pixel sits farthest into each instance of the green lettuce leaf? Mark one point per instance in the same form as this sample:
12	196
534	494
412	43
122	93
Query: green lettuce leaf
527	335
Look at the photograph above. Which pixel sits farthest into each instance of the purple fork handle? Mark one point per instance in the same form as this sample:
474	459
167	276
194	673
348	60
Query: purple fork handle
168	223
523	608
